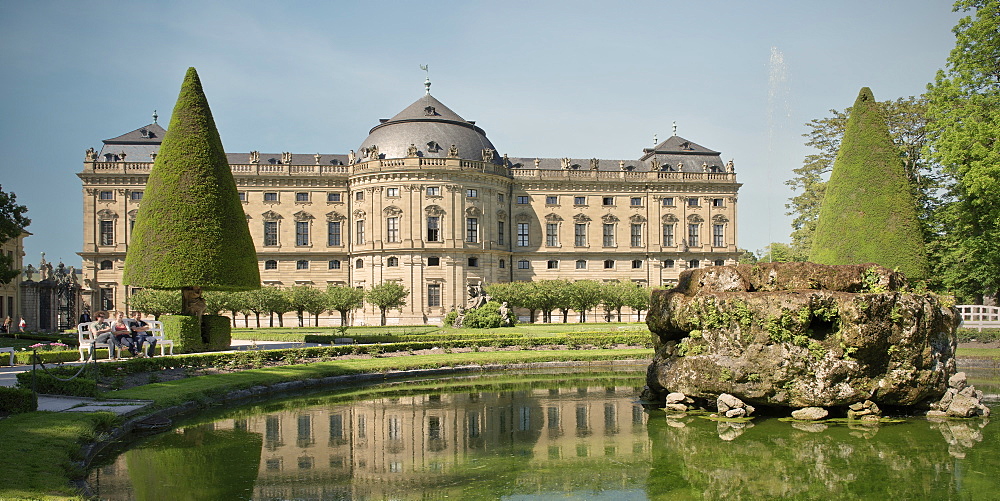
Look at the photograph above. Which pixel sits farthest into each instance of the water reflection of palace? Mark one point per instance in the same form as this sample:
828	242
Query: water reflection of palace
431	442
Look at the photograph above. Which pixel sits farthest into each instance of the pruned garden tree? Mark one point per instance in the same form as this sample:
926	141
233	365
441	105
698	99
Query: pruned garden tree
344	299
868	214
12	223
637	297
964	137
155	302
191	233
387	296
585	295
305	298
277	304
257	301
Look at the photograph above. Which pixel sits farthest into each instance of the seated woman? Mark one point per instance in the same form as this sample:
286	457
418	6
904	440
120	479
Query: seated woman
141	334
123	334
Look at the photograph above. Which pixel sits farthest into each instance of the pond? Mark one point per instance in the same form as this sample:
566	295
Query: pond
542	435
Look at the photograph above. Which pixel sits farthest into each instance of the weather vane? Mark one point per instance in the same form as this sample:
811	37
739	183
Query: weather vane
427	81
155	116
675	128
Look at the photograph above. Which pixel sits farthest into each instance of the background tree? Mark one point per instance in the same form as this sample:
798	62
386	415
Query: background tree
12	224
964	137
303	298
548	296
584	295
191	233
613	299
868	214
637	298
277	304
256	302
779	252
155	302
344	299
907	122
387	296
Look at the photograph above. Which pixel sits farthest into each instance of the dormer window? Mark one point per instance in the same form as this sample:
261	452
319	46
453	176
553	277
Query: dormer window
144	132
430	111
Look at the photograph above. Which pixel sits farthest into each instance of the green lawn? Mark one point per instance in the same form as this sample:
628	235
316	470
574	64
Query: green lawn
529	330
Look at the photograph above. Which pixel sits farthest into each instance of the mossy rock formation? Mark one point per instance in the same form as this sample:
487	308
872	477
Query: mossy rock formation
801	335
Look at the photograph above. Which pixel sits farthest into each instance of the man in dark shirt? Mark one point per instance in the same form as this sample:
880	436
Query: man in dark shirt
142	335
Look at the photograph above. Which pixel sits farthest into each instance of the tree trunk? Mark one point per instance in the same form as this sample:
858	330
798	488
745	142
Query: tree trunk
382	316
257	314
343	318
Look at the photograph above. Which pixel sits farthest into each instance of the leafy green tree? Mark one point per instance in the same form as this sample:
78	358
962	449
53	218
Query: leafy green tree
486	316
584	295
155	302
344	299
274	302
191	233
305	298
637	297
613	298
387	296
12	223
779	252
907	121
868	213
255	302
964	137
515	294
548	296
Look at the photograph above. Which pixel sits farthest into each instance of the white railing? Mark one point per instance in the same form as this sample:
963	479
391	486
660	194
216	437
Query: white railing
979	317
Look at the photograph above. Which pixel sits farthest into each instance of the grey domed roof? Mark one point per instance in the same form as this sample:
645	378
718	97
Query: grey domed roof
432	128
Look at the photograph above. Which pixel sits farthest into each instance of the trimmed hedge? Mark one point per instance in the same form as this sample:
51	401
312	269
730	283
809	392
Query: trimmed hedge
17	400
186	333
984	336
48	384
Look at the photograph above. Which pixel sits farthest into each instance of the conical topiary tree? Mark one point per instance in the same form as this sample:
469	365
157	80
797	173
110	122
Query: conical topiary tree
191	233
868	214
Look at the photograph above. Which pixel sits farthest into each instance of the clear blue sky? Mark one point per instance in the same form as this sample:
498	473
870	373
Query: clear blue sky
547	79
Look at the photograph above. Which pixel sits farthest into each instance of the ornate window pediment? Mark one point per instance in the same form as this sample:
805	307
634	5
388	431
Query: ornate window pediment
553	217
636	218
358	214
581	218
107	214
502	215
131	214
473	211
392	210
719	218
694	218
609	218
434	210
669	218
334	216
302	216
522	217
271	216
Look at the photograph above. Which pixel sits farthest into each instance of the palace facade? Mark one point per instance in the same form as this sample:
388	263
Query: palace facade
427	200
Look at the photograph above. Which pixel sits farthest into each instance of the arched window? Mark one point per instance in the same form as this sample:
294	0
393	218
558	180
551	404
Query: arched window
668	263
360	263
302	264
334	264
270	264
106	264
392	261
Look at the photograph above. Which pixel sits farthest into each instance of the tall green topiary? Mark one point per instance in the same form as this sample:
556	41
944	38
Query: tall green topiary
191	233
868	213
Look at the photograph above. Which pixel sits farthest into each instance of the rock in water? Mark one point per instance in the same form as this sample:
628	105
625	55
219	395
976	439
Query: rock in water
810	413
801	335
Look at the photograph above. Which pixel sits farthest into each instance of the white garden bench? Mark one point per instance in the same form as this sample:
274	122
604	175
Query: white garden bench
11	350
87	339
156	330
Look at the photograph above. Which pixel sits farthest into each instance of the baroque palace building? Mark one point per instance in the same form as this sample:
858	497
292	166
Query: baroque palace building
428	200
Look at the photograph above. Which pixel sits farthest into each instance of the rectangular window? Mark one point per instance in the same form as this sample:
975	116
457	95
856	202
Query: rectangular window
392	192
522	199
107	232
136	195
333	232
579	200
552	234
433	261
581	264
693	235
106	195
434	295
718	235
717	202
270	233
243	196
636	264
552	264
522	234
392	229
271	196
359	230
668	201
359	195
473	262
551	200
500	233
302	196
434	191
693	202
668	235
635	201
333	197
609	264
334	264
302	233
609	234
499	198
636	235
608	200
471	193
522	264
433	229
580	234
471	229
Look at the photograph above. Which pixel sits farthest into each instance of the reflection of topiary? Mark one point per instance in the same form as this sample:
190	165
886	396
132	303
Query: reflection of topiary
868	214
191	232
